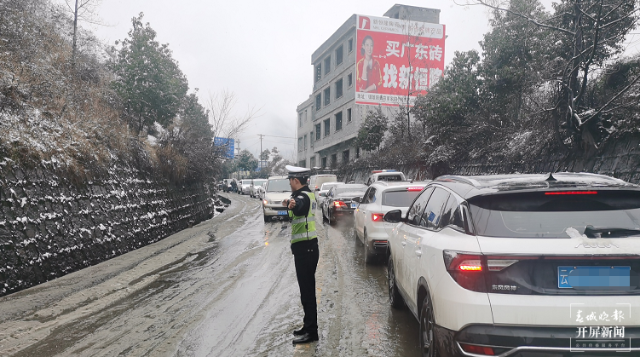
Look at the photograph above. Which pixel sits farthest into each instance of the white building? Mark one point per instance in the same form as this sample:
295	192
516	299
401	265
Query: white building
328	121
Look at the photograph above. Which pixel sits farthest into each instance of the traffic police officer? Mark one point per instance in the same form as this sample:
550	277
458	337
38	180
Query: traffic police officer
304	246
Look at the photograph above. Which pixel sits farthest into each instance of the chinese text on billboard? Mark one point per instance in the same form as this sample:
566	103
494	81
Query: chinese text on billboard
397	60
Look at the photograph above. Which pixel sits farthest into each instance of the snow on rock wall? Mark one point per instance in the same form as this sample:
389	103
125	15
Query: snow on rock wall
50	226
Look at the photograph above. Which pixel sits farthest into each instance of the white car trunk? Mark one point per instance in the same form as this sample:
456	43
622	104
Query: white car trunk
570	309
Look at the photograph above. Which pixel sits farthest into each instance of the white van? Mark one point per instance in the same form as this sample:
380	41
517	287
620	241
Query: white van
316	181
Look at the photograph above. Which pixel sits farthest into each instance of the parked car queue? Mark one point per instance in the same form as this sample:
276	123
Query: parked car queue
506	265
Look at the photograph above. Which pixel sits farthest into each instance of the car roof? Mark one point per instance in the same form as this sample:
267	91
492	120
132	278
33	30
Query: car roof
347	185
470	186
277	177
384	185
392	173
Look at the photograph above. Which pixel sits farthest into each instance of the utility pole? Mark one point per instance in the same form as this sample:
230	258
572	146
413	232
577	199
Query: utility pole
260	155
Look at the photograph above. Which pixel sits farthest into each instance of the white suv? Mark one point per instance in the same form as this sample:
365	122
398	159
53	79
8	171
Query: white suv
520	265
380	198
276	189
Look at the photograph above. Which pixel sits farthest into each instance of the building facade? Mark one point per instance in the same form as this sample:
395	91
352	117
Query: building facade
329	120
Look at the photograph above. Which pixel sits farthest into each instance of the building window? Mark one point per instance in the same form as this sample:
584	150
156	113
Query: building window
318	102
304	141
318	72
311	139
327	65
312	162
327	127
338	121
345	156
300	120
349	115
299	144
339	88
334	161
357	153
327	96
324	162
318	131
350	80
350	45
339	52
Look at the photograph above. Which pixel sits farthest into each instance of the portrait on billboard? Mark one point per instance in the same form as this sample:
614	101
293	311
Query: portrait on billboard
398	60
368	72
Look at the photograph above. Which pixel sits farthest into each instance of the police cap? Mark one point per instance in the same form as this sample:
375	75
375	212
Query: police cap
297	172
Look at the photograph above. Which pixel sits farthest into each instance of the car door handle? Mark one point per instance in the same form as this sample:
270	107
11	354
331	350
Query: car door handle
419	253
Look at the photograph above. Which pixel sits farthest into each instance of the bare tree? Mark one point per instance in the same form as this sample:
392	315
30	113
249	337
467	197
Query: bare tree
85	10
224	122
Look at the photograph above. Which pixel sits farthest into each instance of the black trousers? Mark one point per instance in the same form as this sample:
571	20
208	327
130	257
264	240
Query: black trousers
306	261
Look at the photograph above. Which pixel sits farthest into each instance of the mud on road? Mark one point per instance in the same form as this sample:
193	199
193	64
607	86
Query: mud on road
225	287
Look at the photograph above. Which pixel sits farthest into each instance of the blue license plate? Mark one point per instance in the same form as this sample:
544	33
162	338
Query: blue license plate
282	213
354	205
593	277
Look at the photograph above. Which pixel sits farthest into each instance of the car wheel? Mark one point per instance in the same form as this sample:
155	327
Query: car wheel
368	255
395	299
428	345
331	219
266	218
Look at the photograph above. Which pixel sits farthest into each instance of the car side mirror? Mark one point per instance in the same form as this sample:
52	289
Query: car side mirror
322	194
357	199
394	216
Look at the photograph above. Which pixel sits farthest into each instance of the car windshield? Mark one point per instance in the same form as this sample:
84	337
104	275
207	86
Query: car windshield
399	198
278	185
614	214
246	182
258	182
354	188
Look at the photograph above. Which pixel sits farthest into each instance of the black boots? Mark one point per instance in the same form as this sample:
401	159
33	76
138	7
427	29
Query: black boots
305	338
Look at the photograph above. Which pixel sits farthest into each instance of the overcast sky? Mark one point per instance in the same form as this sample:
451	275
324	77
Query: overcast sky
261	50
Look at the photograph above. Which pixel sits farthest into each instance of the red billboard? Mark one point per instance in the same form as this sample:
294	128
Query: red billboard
397	60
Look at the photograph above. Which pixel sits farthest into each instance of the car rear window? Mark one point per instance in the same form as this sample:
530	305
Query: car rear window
390	178
614	214
351	189
399	198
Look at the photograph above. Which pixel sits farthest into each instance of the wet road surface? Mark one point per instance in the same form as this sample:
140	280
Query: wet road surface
225	287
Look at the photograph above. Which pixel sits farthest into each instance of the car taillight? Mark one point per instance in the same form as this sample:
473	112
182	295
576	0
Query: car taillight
466	269
339	204
571	193
479	350
377	217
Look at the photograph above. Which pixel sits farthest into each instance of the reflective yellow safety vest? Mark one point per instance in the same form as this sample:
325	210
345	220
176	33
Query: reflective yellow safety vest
304	227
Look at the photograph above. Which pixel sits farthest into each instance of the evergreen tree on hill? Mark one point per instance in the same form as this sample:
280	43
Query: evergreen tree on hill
148	79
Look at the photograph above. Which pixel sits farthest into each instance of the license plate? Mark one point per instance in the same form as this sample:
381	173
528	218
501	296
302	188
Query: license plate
354	205
593	277
282	213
